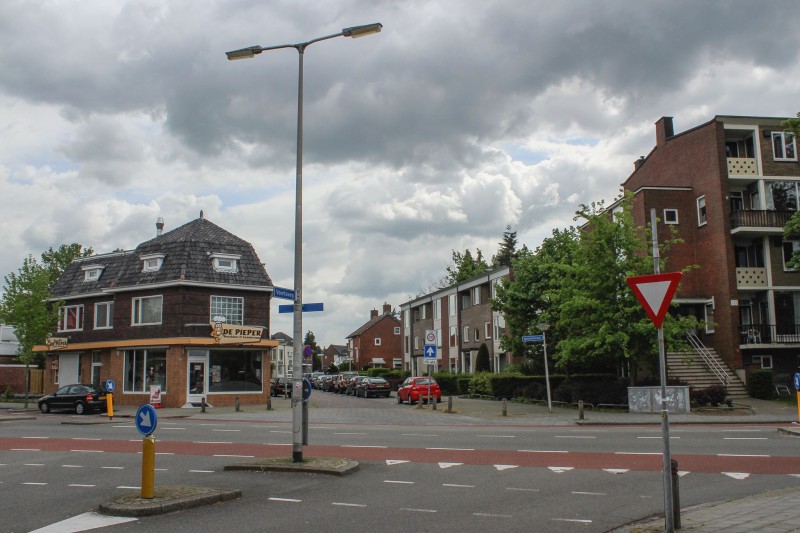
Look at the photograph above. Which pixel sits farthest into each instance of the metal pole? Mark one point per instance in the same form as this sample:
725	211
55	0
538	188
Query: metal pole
669	523
297	362
546	372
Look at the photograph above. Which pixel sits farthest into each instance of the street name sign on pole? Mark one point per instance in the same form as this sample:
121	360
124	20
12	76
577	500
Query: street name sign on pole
285	294
533	338
289	308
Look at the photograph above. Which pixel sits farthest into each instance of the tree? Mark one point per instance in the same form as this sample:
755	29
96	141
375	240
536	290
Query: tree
482	363
56	261
311	341
507	252
464	266
792	229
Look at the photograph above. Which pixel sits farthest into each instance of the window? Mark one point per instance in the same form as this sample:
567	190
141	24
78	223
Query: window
377	341
146	310
423	312
477	334
97	364
466	333
453	335
782	195
438	338
709	317
416	343
500	327
451	304
701	211
103	313
397	363
487	330
70	318
229	307
144	368
152	262
476	296
92	272
225	262
397	330
670	216
437	309
783	146
764	360
234	371
789	248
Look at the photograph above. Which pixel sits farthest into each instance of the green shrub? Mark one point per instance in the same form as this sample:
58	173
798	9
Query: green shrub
482	363
481	384
760	384
713	395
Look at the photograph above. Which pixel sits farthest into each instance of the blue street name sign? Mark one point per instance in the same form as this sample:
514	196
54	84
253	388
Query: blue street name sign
146	419
533	338
280	292
306	308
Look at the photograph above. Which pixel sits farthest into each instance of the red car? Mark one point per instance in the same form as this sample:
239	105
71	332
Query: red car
414	389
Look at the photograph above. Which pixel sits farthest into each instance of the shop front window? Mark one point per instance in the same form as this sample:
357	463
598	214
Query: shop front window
235	371
144	368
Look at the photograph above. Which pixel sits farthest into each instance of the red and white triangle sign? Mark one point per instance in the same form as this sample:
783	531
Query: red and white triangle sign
655	293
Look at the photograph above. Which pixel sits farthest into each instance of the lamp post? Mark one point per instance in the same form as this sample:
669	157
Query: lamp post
297	356
544	327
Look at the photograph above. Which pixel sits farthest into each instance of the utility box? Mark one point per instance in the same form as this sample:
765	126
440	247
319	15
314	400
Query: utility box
648	400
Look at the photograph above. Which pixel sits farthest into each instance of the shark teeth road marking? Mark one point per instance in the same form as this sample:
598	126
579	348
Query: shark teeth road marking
737	475
448	465
391	462
616	470
560	469
84	522
505	467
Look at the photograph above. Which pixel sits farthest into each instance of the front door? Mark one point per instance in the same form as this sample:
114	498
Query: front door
197	380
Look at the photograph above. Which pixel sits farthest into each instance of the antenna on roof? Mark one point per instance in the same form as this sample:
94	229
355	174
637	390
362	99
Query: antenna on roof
159	226
201	213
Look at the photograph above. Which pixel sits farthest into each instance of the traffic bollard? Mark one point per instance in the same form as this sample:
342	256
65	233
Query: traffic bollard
505	407
580	409
676	497
148	466
269	403
236	400
203	404
449	404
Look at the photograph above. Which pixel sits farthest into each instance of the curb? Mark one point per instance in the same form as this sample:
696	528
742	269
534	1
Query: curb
332	466
166	499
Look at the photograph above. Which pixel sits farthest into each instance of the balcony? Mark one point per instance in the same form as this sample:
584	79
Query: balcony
761	334
742	166
751	278
758	222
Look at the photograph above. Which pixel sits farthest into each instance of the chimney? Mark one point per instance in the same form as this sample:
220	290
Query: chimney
373	313
664	130
387	308
159	226
638	162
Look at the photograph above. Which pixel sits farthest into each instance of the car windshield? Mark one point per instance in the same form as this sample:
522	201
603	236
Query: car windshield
425	381
378	380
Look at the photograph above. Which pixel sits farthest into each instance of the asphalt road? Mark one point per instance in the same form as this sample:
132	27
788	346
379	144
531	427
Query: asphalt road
418	476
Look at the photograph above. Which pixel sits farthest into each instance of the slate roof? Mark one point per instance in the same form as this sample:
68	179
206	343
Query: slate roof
370	323
339	350
187	254
281	336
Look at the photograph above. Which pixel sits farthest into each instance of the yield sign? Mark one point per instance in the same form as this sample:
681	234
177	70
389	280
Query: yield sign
655	293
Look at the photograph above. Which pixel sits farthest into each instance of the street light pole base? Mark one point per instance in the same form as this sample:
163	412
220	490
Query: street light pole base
297	457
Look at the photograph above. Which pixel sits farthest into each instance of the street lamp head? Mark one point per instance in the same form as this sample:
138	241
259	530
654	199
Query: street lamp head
244	53
362	31
543	326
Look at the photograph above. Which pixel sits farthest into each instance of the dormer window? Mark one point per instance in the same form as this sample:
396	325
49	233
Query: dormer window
225	262
92	272
152	262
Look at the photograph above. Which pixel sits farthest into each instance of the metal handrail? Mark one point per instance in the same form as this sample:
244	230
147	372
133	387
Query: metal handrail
708	358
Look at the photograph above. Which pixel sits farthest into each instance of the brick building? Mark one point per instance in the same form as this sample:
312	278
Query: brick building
728	187
462	318
186	313
378	342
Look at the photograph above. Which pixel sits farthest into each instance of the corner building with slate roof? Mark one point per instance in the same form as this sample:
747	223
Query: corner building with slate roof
185	313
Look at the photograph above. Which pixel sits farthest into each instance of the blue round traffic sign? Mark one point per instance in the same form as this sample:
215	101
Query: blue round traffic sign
146	419
306	389
797	381
109	385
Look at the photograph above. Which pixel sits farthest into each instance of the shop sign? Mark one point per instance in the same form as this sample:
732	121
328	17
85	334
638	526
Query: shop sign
233	334
57	343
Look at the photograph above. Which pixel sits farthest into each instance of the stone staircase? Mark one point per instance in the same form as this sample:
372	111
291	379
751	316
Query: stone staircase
690	368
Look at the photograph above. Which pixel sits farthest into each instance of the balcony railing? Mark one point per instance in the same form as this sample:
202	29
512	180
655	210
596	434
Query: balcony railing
742	166
752	218
770	334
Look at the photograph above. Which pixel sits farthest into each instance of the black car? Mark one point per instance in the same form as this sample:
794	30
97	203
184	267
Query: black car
280	387
373	387
79	398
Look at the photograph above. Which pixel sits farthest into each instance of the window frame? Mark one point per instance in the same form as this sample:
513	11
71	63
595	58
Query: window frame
708	311
702	211
63	318
786	140
136	317
671	211
377	341
476	295
795	248
152	262
761	359
92	272
487	330
232	269
109	314
221	309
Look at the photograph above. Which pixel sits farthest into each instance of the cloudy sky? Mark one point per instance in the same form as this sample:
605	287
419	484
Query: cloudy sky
459	119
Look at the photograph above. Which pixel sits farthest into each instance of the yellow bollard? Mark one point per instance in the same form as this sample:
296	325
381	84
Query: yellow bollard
110	405
148	466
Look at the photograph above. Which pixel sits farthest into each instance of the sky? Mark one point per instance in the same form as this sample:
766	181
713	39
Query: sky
459	119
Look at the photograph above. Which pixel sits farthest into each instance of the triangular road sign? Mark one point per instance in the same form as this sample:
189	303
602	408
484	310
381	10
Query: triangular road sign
655	293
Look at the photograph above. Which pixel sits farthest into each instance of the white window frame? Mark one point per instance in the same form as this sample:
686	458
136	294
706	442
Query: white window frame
221	307
708	312
108	313
795	247
453	336
764	360
397	330
477	334
438	337
423	314
377	341
220	262
437	309
451	304
92	272
487	330
702	214
136	314
786	140
476	295
152	262
416	343
62	318
667	213
465	336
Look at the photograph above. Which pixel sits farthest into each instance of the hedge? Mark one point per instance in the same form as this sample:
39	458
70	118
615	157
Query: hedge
760	384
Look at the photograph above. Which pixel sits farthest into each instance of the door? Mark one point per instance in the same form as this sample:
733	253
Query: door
197	380
68	368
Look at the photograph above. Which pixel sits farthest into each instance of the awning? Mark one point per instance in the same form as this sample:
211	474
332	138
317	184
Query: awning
378	360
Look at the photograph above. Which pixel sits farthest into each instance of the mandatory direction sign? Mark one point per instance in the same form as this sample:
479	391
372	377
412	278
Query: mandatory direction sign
146	419
797	381
280	292
109	385
429	354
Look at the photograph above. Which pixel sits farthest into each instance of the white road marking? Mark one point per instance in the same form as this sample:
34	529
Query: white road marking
458	486
72	466
202	471
175	429
279	444
497	436
227	430
278	431
418	435
84	522
87	451
33	464
84	438
742	430
491	515
223	455
113	467
738	455
579	521
361	446
744	438
616	470
561	469
289	500
391	462
418	510
32	483
82	486
165	453
212	442
133	426
24	450
582	493
35	437
349	433
448	465
737	475
454	449
522	490
682	473
342	504
671	437
637	453
505	467
398	482
160	469
126	487
543	451
575	436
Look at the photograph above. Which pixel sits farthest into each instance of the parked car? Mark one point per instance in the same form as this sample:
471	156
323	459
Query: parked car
79	398
352	383
373	387
280	387
317	381
416	388
326	383
342	382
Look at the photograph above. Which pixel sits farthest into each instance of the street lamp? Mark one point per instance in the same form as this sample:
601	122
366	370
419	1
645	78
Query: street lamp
297	356
544	327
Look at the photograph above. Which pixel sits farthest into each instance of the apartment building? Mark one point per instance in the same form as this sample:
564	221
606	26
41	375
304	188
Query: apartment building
461	318
727	188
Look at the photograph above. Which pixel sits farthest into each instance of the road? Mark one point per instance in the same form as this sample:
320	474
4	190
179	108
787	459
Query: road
414	476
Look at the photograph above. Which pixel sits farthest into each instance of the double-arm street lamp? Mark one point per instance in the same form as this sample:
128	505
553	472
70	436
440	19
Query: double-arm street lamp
297	352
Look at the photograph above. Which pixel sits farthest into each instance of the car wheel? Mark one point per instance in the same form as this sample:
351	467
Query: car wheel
80	408
44	408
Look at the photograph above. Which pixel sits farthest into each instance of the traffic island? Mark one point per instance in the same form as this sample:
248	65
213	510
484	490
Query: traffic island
166	499
332	466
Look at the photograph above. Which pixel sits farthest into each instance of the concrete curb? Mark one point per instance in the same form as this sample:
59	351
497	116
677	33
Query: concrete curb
166	499
332	466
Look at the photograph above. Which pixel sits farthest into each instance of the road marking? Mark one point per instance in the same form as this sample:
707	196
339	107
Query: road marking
84	438
24	450
454	449
742	430
505	467
671	437
288	500
160	469
543	451
343	504
418	435
87	451
458	486
165	453
616	470
72	466
278	431
35	437
637	453
418	510
579	521
497	436
744	438
81	486
84	522
738	455
245	456
209	424
561	469
32	483
361	446
126	487
227	430
582	493
132	426
391	462
522	490
33	464
398	482
491	515
113	467
737	475
184	429
448	465
278	444
202	471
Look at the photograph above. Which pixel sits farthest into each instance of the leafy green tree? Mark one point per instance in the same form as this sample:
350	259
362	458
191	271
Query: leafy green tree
311	341
792	229
482	363
508	249
56	261
465	266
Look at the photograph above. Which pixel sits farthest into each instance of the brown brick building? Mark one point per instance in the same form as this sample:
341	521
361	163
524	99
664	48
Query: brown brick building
185	313
378	342
728	187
